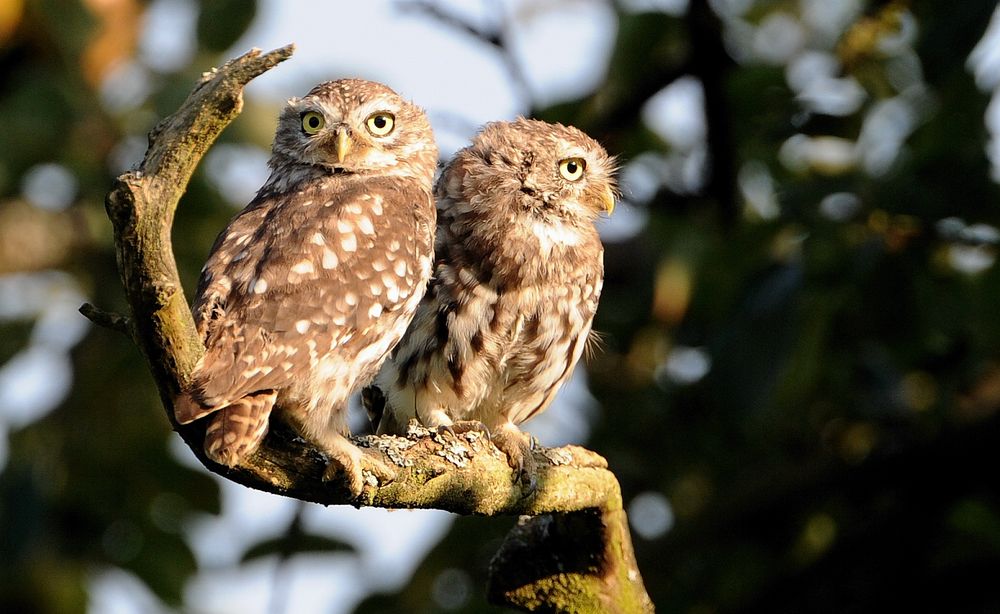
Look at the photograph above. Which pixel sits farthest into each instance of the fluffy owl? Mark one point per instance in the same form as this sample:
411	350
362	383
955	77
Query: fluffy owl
518	273
308	288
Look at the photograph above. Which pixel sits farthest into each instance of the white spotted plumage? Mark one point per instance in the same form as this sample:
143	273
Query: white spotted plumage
284	303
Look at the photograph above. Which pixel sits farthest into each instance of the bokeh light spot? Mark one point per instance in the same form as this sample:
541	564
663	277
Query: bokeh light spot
49	186
650	514
451	588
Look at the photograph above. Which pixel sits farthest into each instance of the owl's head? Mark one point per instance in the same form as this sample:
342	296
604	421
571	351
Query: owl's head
535	167
356	126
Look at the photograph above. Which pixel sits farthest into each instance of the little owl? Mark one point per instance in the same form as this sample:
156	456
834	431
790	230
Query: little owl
308	288
517	276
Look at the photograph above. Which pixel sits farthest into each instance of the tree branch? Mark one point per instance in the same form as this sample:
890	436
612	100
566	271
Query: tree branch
107	319
465	474
556	562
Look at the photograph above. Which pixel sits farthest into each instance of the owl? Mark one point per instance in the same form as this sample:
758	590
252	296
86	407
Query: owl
309	288
517	277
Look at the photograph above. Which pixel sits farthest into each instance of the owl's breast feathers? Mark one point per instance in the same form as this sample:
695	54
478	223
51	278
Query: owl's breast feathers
502	325
299	276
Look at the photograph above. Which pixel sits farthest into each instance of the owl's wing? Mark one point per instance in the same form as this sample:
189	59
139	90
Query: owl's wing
297	275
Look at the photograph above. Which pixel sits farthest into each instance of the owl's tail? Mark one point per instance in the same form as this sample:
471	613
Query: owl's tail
187	408
237	430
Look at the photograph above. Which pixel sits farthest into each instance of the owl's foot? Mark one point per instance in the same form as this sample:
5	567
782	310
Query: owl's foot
351	461
235	432
517	446
465	426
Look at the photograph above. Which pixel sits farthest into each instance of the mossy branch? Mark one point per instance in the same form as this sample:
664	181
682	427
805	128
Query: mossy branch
464	474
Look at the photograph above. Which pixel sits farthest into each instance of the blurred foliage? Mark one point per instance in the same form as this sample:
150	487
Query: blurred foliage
830	452
844	430
221	22
91	485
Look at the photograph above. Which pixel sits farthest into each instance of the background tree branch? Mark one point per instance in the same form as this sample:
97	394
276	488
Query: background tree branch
464	474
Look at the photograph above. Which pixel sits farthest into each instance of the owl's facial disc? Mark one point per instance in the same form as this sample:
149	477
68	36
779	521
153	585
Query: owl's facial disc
355	126
564	183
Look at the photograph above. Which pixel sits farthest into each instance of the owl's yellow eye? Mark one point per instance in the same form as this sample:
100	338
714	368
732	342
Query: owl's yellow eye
312	122
380	123
572	169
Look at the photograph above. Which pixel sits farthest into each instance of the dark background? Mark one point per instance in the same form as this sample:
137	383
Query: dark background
801	370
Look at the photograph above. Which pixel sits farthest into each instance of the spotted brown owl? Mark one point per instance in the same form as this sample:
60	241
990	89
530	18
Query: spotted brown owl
518	273
308	288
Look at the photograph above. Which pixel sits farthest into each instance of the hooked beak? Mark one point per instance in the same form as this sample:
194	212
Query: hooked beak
609	200
342	145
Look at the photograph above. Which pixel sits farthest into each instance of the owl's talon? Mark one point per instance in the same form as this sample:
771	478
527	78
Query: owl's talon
350	472
352	467
464	426
529	483
382	471
517	447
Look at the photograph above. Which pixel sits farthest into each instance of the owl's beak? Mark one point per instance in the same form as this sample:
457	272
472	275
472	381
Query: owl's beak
609	200
342	145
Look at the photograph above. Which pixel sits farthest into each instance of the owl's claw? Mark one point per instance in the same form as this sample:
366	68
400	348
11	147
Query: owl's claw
351	462
383	472
517	446
464	426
